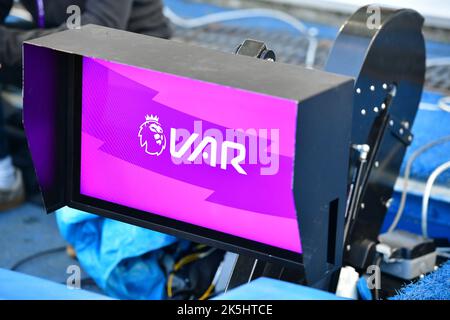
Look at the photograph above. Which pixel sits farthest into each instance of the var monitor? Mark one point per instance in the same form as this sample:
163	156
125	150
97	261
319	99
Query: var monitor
246	155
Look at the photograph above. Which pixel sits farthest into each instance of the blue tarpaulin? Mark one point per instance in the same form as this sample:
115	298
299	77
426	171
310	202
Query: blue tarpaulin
121	258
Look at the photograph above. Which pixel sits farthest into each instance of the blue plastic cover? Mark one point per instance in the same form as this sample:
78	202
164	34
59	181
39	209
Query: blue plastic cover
363	290
19	286
271	289
121	258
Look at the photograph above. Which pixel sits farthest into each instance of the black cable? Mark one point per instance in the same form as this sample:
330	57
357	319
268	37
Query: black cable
376	291
36	255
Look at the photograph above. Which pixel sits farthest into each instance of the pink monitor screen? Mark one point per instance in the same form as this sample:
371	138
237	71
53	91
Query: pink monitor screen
209	155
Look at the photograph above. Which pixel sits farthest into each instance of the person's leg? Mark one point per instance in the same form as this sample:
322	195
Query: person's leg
7	171
4	151
12	191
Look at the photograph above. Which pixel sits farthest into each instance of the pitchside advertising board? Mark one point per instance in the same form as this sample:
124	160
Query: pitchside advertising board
246	155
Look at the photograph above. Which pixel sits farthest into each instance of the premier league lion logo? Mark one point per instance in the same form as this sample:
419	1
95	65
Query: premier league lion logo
151	135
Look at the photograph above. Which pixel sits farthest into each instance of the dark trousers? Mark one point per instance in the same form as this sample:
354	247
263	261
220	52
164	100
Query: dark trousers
4	151
8	76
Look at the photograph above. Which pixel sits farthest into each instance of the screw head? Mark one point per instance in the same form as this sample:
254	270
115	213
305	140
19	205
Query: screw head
389	203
